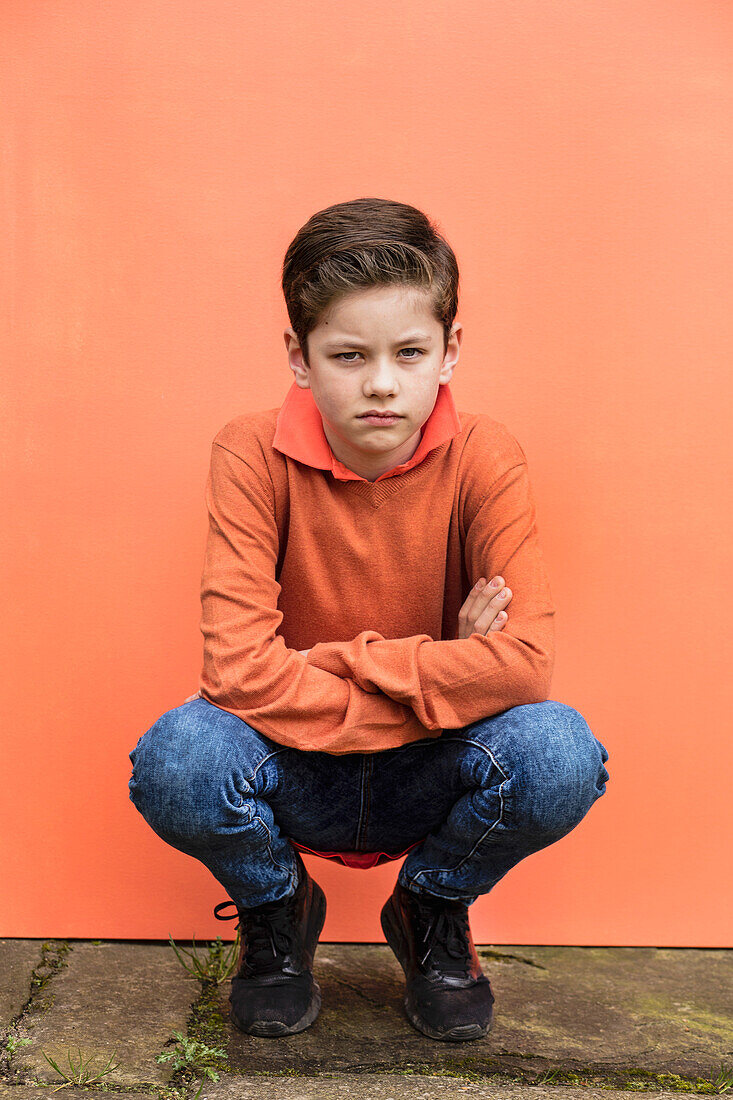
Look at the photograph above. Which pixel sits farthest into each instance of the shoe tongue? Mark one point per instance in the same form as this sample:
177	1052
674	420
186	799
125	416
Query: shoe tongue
444	931
432	908
259	957
269	935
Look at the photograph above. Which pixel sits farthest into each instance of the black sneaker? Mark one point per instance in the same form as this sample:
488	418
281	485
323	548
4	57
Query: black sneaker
274	991
448	995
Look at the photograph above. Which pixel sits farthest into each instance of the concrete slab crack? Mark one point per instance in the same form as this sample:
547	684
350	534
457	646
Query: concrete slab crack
489	953
52	959
361	993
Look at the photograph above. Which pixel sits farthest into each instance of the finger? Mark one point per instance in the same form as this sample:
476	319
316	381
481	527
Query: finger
478	595
482	605
493	598
468	605
500	621
483	619
491	612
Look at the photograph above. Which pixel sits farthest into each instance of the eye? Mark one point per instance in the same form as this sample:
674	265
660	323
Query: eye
344	353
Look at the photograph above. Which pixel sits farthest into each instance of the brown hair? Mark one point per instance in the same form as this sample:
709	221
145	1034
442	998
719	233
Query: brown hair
364	243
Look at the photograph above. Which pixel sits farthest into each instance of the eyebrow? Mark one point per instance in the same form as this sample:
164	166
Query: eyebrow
419	336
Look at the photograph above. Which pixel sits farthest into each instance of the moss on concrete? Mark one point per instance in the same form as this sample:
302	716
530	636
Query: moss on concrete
53	959
205	1025
662	1006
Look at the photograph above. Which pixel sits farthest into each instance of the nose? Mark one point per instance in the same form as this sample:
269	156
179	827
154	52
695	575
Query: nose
381	378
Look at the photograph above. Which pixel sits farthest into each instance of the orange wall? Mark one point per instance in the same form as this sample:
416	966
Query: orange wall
158	157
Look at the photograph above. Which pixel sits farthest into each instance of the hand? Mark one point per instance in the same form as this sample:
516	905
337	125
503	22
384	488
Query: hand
483	609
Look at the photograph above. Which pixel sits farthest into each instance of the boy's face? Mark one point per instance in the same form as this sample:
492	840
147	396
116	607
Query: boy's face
375	350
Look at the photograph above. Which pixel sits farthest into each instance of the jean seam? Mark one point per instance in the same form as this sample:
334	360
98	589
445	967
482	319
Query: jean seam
275	752
265	759
507	777
269	848
366	766
430	743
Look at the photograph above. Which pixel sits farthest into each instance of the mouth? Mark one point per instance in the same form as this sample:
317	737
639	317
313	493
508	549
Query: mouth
385	418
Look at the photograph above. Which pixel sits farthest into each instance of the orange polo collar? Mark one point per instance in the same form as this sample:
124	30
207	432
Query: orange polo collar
299	433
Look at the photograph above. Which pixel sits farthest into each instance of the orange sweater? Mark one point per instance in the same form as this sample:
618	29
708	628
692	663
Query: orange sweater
304	553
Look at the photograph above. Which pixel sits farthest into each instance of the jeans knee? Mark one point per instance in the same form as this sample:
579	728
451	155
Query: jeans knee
183	782
564	774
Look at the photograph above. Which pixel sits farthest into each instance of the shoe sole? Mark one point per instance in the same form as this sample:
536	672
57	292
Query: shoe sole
395	938
272	1028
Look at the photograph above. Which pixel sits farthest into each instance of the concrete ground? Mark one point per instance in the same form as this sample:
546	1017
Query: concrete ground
600	1020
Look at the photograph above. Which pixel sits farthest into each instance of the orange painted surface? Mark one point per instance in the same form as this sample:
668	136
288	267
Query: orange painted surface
157	160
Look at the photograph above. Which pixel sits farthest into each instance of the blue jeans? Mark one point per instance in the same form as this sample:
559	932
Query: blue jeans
478	799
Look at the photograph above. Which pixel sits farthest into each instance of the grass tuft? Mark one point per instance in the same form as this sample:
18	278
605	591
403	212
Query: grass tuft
81	1072
724	1079
216	965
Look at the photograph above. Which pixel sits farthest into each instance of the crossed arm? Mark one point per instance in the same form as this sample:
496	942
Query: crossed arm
482	611
373	691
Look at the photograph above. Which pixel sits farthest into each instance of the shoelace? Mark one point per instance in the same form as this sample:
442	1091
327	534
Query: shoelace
445	934
267	932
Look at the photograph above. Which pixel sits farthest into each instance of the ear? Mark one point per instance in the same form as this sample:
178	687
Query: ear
295	359
452	354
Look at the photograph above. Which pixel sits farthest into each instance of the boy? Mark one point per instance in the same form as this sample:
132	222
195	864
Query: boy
402	709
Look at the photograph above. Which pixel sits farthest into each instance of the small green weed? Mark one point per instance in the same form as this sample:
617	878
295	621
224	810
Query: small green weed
218	964
171	1092
724	1079
194	1055
181	1093
81	1072
13	1042
547	1077
8	1047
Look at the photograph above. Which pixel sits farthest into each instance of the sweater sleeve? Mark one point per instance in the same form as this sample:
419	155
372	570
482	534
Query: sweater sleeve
452	683
247	668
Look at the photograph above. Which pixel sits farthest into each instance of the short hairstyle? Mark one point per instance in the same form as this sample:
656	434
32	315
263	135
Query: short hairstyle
364	243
